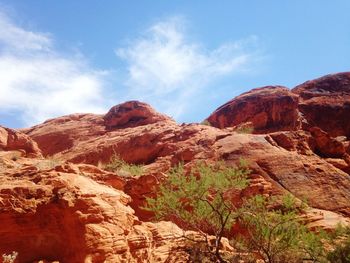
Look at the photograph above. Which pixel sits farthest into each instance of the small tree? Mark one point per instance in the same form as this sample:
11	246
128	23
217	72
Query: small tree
277	234
199	200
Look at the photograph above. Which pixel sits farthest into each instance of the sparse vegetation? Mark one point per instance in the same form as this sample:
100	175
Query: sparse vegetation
118	165
245	128
341	246
277	234
199	200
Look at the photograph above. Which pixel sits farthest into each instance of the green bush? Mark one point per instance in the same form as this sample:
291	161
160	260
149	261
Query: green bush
341	242
277	234
273	231
199	200
118	165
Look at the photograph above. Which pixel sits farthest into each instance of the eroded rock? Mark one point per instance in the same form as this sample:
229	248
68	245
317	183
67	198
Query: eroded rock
271	108
132	114
325	103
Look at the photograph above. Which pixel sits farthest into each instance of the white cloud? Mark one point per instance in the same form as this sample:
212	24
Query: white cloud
167	69
164	68
40	82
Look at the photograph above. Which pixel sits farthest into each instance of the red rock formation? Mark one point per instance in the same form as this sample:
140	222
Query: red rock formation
46	204
325	103
15	140
132	114
67	217
286	160
271	108
325	145
61	134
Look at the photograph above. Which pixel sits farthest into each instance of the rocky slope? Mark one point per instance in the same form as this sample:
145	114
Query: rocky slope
54	190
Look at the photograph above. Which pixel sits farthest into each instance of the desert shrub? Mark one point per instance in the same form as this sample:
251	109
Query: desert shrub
199	200
118	165
341	246
277	234
245	128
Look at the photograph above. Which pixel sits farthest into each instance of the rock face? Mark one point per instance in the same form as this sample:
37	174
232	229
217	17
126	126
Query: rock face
132	114
68	198
68	217
61	134
271	108
14	140
325	103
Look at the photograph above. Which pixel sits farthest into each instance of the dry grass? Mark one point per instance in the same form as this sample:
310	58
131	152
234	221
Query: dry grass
118	165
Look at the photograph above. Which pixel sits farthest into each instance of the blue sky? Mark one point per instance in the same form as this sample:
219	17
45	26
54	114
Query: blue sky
185	58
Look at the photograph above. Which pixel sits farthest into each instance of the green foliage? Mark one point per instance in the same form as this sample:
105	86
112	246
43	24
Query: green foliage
118	165
198	199
277	234
341	250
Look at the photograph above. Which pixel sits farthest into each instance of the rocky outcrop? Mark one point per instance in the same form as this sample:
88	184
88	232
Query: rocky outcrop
14	140
271	108
325	145
325	103
287	160
68	217
63	133
132	114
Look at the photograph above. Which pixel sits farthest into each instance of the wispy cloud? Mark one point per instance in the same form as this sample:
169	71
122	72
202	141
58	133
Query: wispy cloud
40	82
166	68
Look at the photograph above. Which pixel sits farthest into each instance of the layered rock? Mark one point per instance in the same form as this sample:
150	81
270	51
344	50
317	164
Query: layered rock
271	108
277	162
325	103
68	217
15	140
63	133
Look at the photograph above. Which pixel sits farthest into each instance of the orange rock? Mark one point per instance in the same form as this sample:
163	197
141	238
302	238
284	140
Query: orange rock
326	145
325	103
61	134
14	140
283	159
132	114
69	198
67	217
271	108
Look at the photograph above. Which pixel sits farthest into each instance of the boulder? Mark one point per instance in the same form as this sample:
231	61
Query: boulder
132	114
